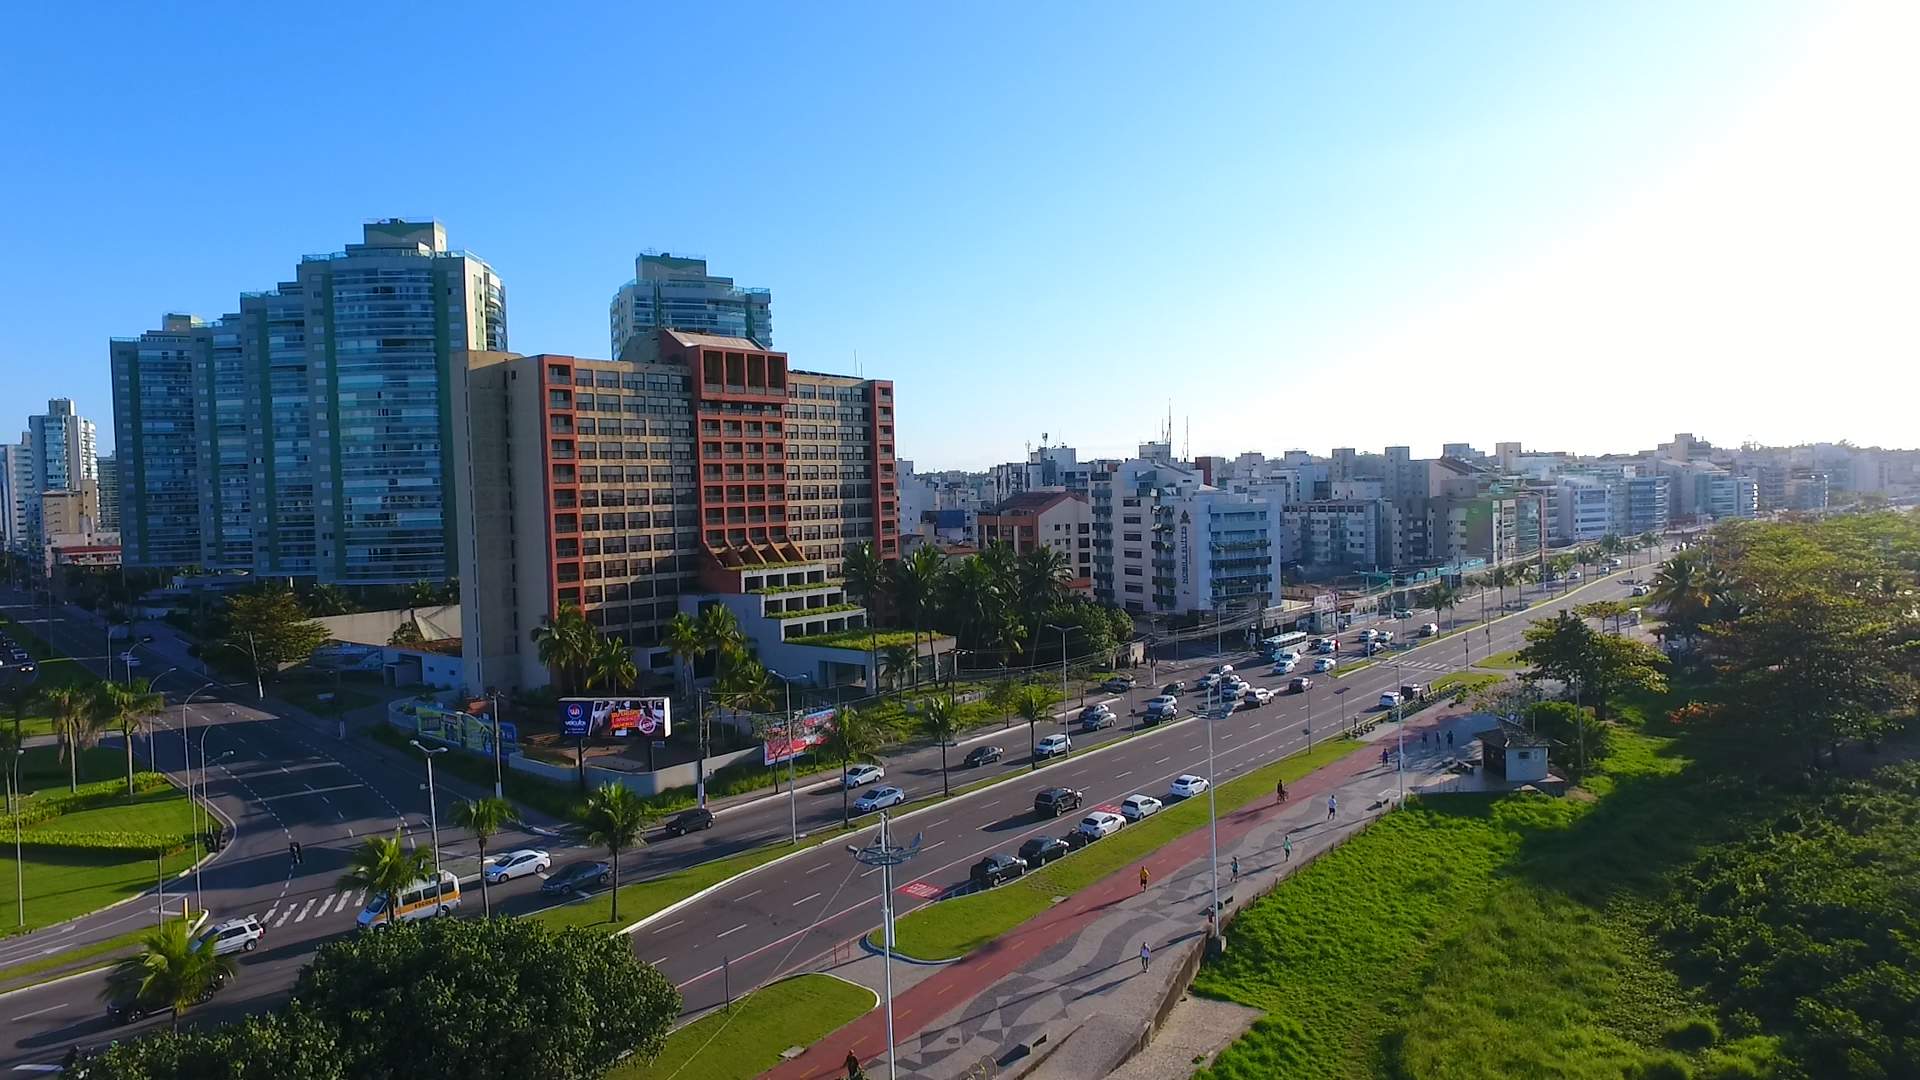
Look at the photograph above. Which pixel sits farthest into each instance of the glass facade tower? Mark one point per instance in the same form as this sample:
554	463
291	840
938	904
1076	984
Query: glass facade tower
673	293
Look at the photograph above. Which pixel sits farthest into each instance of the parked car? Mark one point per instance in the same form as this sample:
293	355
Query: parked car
879	799
1136	807
1053	746
1413	691
579	875
519	864
1324	663
1429	629
1101	823
1095	717
1300	685
687	821
1186	786
234	935
1390	700
1054	801
1256	696
1119	684
1041	850
996	870
983	755
861	775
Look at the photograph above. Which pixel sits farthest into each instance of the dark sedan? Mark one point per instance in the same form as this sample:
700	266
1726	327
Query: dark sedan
579	876
689	821
983	755
1300	685
996	870
1041	850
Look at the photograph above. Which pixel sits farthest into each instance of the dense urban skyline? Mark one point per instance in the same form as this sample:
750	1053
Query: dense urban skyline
1470	198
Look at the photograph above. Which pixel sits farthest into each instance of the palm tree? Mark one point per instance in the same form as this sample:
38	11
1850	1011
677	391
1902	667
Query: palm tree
916	586
896	662
565	642
746	687
720	633
171	969
1034	701
1648	541
124	707
941	719
1685	591
483	817
73	718
1040	579
969	599
867	577
610	665
682	639
1008	636
849	738
614	818
1442	598
386	867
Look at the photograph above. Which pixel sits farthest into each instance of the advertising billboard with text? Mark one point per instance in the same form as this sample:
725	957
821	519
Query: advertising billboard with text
649	717
809	731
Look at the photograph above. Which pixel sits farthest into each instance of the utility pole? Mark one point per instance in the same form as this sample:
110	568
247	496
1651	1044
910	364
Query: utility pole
433	806
886	855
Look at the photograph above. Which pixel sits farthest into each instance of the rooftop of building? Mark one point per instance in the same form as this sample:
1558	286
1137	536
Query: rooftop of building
715	341
760	556
1034	502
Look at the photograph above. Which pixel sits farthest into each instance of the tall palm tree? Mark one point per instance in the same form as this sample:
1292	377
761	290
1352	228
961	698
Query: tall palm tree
1041	580
720	633
896	662
72	709
614	818
849	738
1648	541
1442	598
610	665
746	687
19	700
683	641
941	720
564	642
916	588
170	969
385	867
1034	701
1684	591
867	577
483	817
124	707
970	599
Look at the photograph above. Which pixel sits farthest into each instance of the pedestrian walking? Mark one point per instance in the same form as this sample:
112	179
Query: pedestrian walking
1333	807
853	1066
1209	922
1279	791
1236	868
1144	878
1146	957
1286	847
1449	736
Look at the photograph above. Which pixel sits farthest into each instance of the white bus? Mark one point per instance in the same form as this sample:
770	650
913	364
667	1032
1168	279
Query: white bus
1280	642
419	900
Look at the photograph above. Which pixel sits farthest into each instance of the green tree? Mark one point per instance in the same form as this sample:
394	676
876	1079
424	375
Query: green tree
867	577
1003	697
564	642
1040	576
1595	667
271	630
1602	610
610	666
423	594
385	867
283	1044
74	711
720	633
1442	598
1033	704
407	635
614	818
125	708
1584	740
850	737
329	600
488	999
896	663
916	588
940	719
168	970
484	817
1683	591
683	642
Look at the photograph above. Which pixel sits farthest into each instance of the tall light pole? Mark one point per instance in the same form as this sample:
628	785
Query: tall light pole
886	855
198	896
1063	659
1220	709
499	785
19	865
793	794
433	806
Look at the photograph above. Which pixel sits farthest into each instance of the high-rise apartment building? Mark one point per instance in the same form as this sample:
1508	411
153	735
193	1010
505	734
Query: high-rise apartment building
1166	543
610	484
13	488
109	472
307	434
59	457
673	293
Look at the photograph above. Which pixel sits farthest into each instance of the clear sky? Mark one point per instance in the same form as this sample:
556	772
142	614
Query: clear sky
1584	226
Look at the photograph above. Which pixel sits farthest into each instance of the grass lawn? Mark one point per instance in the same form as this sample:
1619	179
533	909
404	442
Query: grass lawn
1507	661
104	952
955	927
743	1041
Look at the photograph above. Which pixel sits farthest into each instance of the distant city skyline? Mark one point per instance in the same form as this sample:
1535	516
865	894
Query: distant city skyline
1582	229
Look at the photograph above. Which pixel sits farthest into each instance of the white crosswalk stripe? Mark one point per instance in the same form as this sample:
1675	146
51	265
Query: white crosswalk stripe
361	900
284	914
302	917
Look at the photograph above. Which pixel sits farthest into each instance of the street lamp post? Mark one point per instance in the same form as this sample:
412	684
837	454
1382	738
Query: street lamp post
19	866
1221	709
793	795
499	785
1063	661
433	807
198	896
886	855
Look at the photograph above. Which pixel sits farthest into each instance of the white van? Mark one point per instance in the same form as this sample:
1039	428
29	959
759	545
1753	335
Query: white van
419	900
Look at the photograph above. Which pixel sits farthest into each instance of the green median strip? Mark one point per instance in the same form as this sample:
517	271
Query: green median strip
1508	661
953	928
746	1039
18	976
643	898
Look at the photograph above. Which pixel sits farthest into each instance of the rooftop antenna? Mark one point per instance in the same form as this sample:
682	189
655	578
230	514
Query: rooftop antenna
1186	449
857	373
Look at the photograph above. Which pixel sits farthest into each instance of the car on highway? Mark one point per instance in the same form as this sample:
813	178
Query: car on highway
1368	634
1220	669
127	659
1160	713
1053	746
1326	645
1172	689
1413	691
983	755
1136	807
879	799
1041	850
1573	575
1054	801
1186	786
1324	663
1614	563
1232	687
1429	629
687	821
1255	696
1095	717
1119	684
1285	667
234	935
518	864
586	873
1383	637
862	775
1100	823
996	870
1391	699
1286	655
420	900
1300	685
1164	701
1206	682
130	1007
1402	613
1642	590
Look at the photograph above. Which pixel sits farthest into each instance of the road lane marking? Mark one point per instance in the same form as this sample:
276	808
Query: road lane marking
1164	760
37	1012
752	894
942	821
303	912
1124	775
669	926
931	846
361	900
310	791
819	868
735	930
657	962
804	899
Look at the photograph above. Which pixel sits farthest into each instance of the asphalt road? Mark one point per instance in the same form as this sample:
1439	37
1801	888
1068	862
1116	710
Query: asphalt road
289	780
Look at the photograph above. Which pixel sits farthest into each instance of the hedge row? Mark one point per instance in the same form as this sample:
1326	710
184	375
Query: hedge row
112	840
44	806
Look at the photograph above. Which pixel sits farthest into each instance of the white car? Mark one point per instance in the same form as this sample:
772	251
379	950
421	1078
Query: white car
1390	699
1256	696
1164	701
234	935
1384	637
1221	669
1290	656
1135	807
518	864
1369	634
862	775
1429	629
1100	823
1230	691
127	658
1285	667
1053	746
1187	786
1325	663
1642	590
1206	682
879	799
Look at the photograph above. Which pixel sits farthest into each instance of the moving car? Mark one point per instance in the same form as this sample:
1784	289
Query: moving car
1206	682
1390	700
1402	613
128	659
1186	786
130	1009
1158	713
1642	590
1100	823
1095	717
1287	656
1413	691
983	755
1220	669
1285	667
1119	684
1300	685
1369	634
419	900
1429	629
879	799
1054	801
1041	850
1172	689
1053	746
578	876
1135	807
518	864
687	821
1255	696
1324	663
861	775
1164	701
1383	637
234	935
996	870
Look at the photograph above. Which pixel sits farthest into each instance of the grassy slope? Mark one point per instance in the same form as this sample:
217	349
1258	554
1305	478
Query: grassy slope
745	1040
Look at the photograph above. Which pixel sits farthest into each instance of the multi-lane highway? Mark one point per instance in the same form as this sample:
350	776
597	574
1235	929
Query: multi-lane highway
287	780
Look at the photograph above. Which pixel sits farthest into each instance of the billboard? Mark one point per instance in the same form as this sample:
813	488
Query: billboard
473	733
809	731
651	717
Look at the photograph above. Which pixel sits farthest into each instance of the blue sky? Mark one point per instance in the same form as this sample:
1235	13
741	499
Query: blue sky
1583	226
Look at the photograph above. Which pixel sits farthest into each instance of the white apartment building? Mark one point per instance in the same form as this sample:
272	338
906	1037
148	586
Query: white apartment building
1166	543
1584	510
